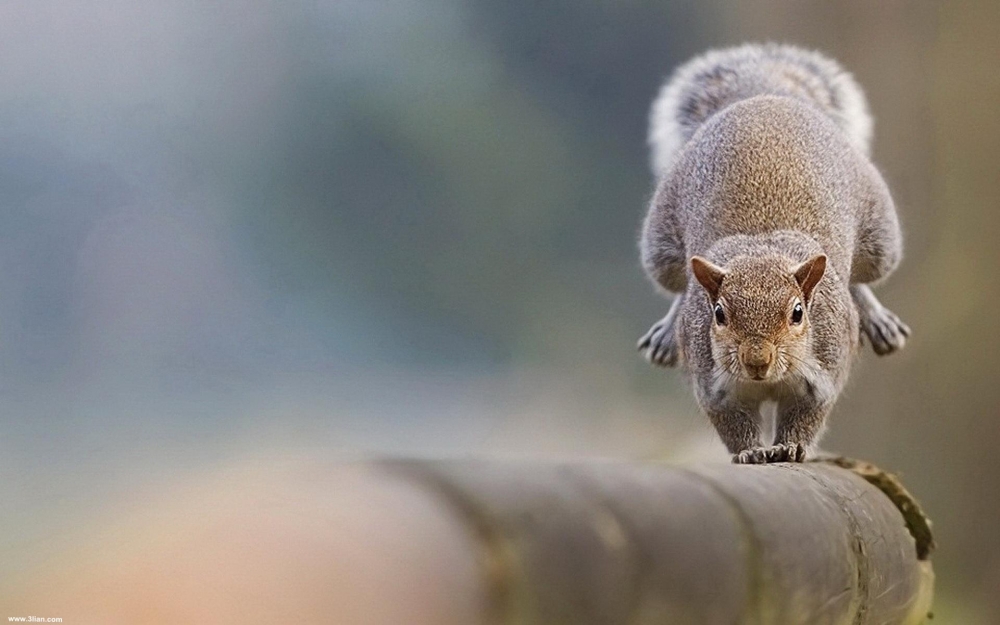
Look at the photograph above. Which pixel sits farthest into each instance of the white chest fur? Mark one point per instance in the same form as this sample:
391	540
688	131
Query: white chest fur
801	384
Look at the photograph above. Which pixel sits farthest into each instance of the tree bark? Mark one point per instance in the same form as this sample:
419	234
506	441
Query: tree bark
605	543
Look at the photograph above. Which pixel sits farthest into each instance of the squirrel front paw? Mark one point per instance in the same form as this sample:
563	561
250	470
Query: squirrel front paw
754	455
786	452
659	345
783	452
885	331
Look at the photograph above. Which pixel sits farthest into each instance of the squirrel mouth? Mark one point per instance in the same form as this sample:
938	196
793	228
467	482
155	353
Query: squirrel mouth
760	376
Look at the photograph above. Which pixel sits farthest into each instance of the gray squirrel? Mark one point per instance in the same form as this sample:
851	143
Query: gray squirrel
769	223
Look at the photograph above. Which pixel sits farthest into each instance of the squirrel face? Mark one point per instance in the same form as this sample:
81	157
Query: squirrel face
759	308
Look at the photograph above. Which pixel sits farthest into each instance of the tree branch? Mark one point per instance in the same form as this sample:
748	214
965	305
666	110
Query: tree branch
614	543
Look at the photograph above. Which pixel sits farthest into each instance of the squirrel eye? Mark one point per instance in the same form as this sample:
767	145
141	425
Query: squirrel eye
797	314
720	315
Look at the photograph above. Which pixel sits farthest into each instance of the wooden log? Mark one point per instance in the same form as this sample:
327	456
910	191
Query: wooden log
622	543
495	543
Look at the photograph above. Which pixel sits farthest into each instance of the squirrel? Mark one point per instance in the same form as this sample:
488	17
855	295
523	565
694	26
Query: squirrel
769	223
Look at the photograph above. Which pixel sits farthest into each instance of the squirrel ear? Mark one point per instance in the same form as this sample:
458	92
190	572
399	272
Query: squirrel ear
808	274
710	276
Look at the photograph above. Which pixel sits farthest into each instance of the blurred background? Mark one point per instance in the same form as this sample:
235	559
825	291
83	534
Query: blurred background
353	227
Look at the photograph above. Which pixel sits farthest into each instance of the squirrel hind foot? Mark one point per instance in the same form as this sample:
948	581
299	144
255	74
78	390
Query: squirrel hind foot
659	344
884	330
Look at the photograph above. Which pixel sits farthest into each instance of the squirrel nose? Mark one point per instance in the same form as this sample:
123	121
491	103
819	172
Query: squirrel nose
757	359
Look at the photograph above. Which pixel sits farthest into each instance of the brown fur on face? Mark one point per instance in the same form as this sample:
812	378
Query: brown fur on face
757	338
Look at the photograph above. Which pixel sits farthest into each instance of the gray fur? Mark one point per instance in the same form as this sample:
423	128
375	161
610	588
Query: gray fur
764	166
707	84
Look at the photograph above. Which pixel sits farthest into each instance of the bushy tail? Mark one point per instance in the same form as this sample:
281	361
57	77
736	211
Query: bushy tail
711	82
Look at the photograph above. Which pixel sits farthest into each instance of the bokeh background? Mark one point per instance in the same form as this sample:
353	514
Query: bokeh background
243	230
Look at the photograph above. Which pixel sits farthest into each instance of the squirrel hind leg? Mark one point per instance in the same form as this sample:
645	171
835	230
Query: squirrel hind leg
659	345
883	328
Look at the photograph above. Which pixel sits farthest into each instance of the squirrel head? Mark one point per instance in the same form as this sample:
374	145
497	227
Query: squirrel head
759	307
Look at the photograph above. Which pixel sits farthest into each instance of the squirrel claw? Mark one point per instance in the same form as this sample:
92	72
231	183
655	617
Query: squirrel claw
885	331
754	455
786	452
659	345
783	452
